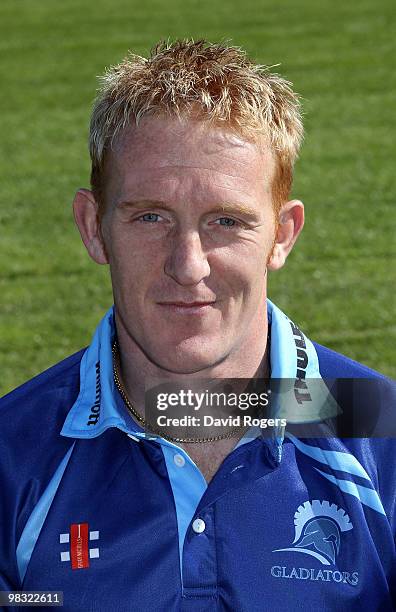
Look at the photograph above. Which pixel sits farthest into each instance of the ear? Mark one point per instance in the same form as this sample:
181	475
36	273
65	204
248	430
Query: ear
85	210
291	222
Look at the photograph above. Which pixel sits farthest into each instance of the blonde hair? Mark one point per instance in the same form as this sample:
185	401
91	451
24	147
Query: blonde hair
212	82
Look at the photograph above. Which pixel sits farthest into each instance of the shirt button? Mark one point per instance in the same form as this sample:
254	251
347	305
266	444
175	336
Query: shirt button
179	460
198	526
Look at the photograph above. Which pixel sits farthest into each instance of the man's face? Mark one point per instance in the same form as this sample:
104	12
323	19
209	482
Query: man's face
188	230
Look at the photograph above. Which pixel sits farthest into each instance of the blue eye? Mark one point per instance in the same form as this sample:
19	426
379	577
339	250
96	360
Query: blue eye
227	222
149	217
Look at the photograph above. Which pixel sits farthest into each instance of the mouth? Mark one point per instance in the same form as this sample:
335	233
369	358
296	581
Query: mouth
187	307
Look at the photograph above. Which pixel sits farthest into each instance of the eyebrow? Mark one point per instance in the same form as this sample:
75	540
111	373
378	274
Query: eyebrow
224	207
143	204
238	208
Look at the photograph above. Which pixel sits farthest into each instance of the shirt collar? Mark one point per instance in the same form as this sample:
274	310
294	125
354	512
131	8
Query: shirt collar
97	405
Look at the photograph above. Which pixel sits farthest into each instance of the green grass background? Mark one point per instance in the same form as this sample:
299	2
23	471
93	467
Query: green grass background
339	283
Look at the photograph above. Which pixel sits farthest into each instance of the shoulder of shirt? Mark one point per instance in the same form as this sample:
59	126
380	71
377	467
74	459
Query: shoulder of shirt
376	395
31	447
62	375
336	365
41	404
373	397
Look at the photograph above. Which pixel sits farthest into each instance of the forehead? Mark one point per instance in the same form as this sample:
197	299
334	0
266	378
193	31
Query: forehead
164	149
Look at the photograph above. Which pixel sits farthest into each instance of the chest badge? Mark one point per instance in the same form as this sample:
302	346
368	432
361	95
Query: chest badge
318	528
79	552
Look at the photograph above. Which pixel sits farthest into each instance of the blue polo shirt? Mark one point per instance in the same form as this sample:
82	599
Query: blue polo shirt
119	519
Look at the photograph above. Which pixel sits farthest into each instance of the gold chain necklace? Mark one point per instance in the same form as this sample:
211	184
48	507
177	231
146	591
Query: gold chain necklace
145	424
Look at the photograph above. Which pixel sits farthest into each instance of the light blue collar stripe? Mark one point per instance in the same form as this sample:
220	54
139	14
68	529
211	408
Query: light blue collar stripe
337	460
95	408
342	462
283	352
293	356
35	522
368	497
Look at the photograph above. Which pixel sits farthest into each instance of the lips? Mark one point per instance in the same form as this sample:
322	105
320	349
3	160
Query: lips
187	304
187	308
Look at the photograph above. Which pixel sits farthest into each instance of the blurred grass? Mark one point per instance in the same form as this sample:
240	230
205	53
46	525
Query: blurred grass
339	283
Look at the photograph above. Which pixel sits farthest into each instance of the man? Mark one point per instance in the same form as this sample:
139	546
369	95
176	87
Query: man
192	155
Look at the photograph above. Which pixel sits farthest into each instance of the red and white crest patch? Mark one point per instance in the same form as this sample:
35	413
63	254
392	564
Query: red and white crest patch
79	552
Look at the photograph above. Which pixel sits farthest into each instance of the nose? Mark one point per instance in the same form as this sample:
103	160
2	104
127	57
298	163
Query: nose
187	263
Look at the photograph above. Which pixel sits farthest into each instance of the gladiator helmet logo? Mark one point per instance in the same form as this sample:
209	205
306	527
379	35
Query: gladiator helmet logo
318	528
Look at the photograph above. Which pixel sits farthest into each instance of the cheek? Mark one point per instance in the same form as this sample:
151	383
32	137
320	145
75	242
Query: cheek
132	256
131	272
240	272
247	257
